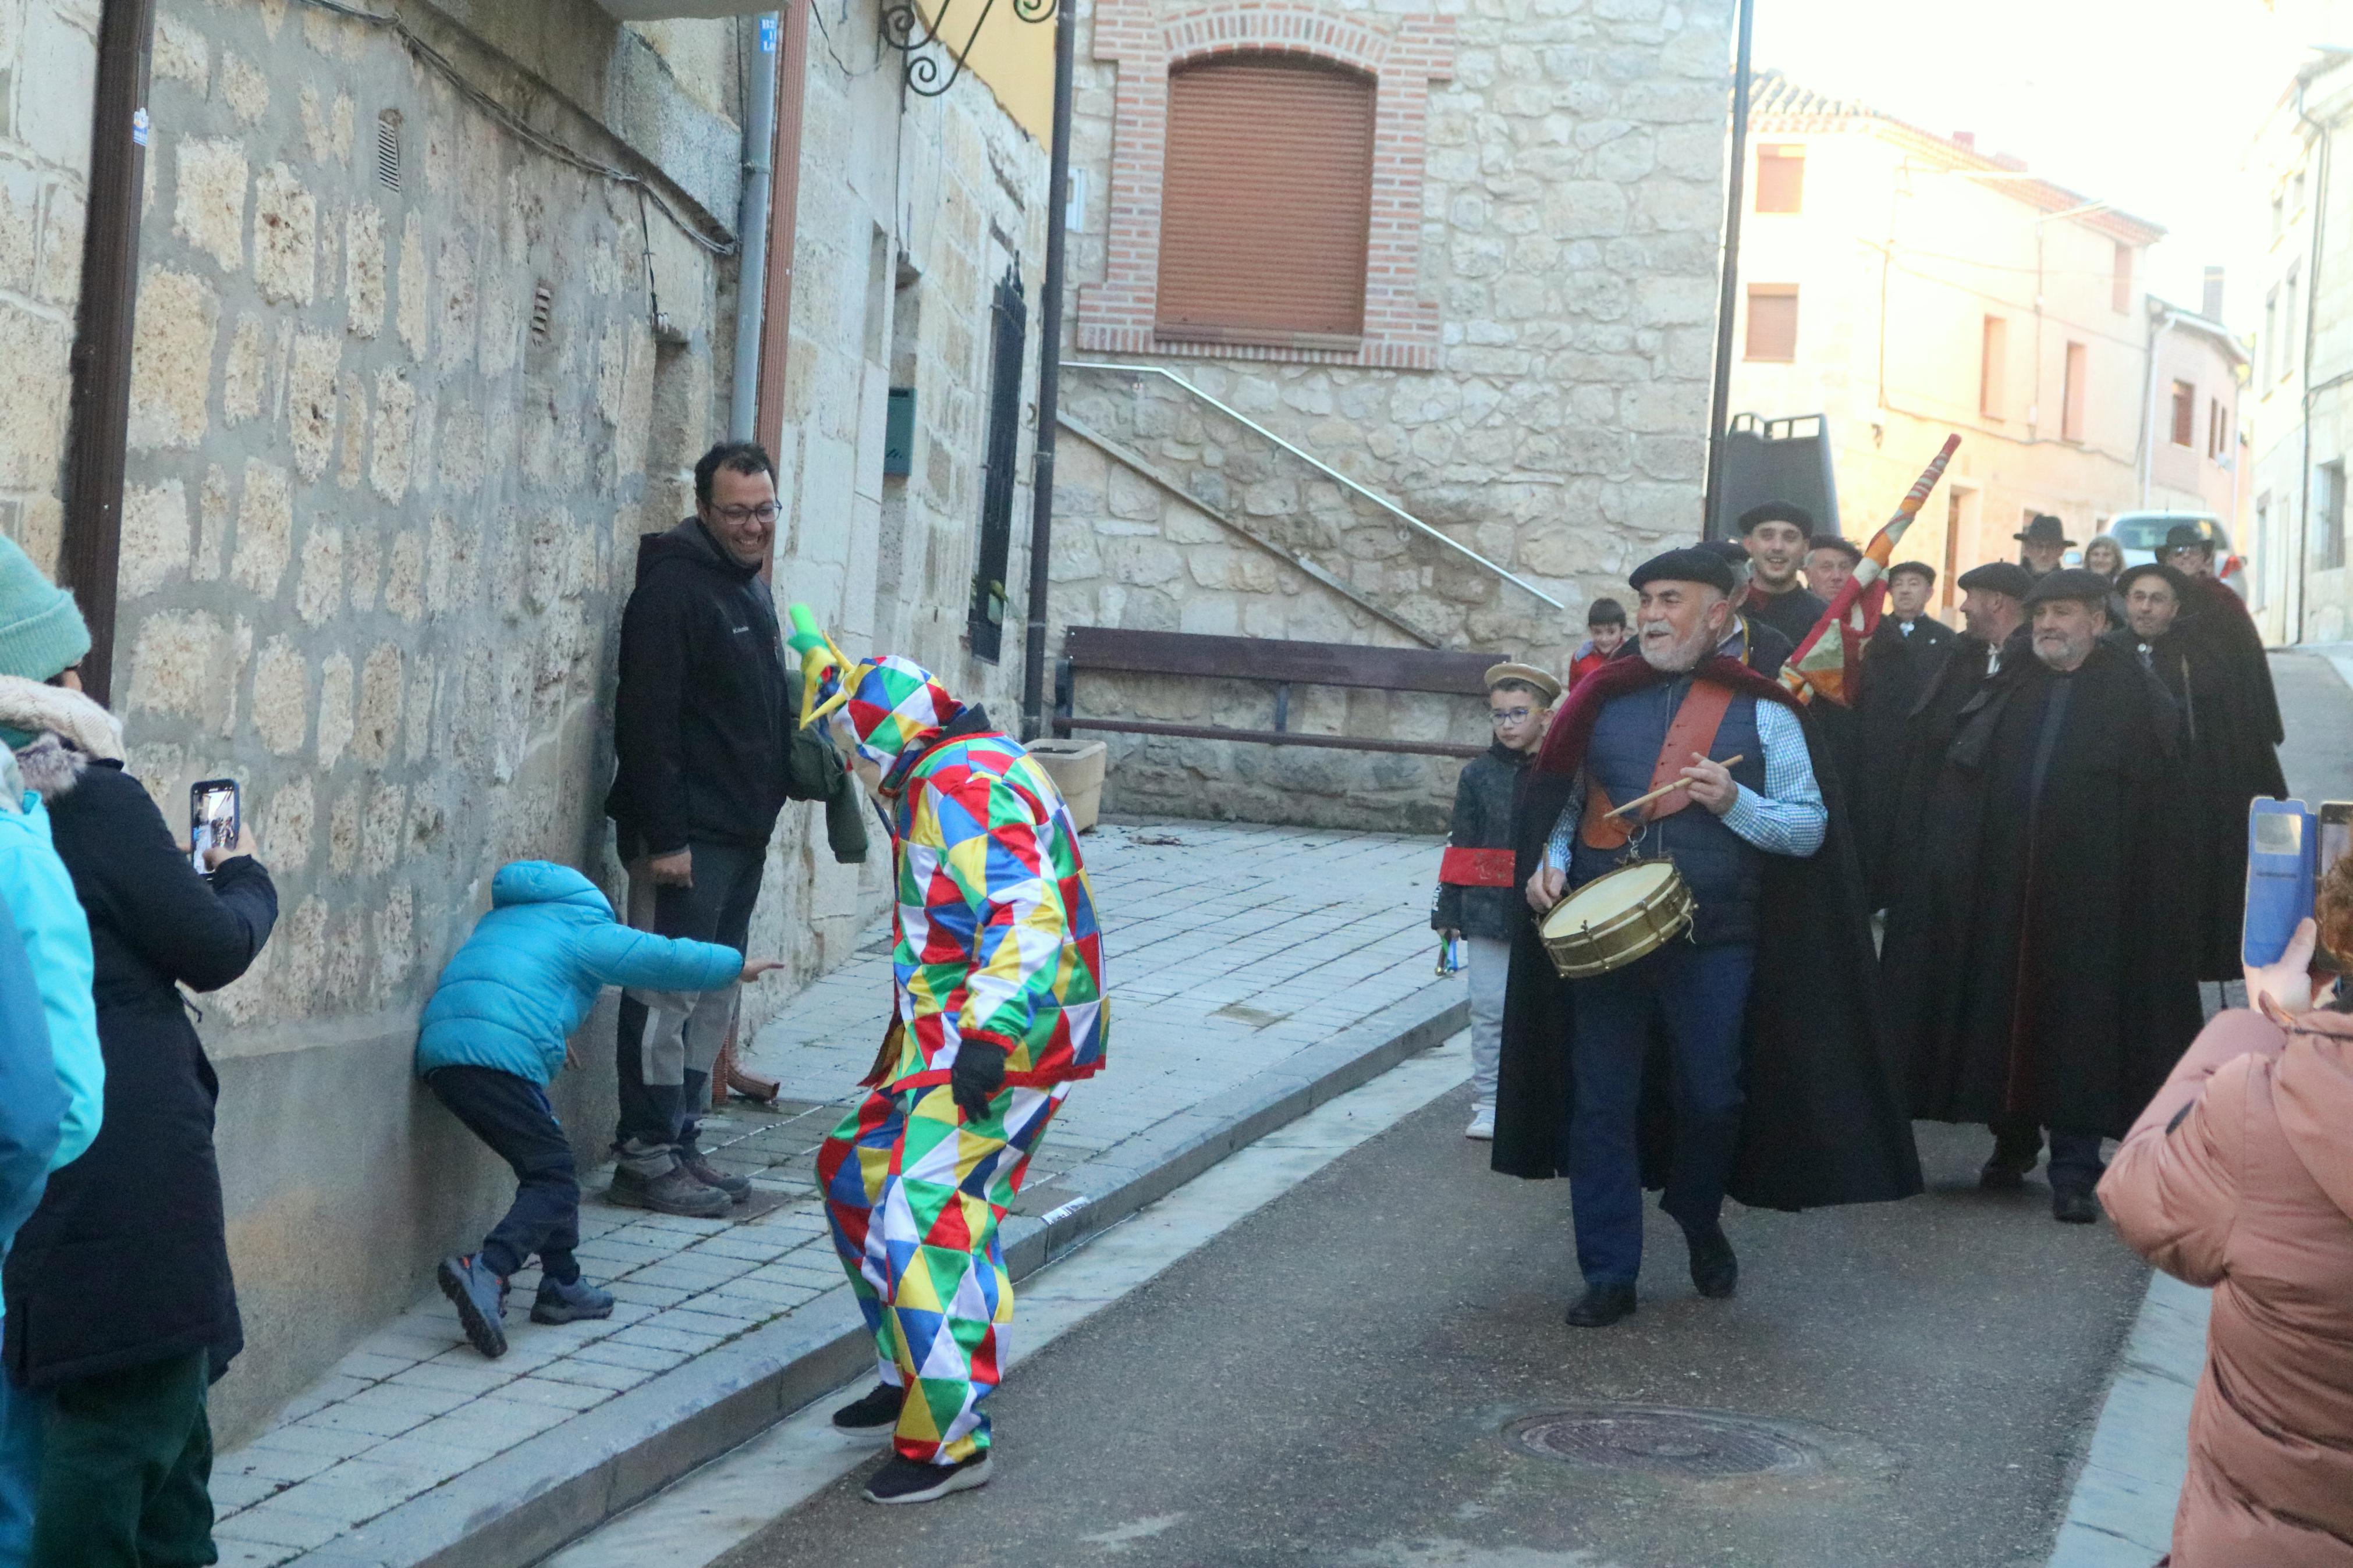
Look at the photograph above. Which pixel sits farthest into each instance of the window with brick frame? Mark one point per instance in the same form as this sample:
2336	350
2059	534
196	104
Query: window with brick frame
1265	202
1780	179
1772	322
2185	413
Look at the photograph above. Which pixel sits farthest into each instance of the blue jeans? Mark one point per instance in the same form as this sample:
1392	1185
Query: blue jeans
1699	994
512	1116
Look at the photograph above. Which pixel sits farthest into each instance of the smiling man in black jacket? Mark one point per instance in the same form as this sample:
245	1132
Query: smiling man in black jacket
704	734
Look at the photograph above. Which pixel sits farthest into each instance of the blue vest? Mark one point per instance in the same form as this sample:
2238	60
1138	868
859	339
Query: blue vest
1722	868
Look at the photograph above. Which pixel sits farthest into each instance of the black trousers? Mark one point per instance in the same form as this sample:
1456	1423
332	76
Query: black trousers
2075	1157
717	908
512	1116
126	1464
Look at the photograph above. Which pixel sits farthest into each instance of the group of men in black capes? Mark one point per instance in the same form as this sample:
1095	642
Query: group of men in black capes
2046	811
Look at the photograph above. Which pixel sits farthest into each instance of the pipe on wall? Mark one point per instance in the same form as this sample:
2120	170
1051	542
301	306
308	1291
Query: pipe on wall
100	413
784	225
752	225
1050	384
1728	299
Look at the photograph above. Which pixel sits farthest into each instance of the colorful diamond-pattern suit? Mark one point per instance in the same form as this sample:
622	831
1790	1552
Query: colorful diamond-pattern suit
996	940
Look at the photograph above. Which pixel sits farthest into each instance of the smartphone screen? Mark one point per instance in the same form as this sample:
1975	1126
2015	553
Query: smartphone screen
2336	843
214	818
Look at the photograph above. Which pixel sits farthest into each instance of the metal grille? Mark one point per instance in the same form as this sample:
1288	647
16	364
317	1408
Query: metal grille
388	149
1664	1442
543	305
1266	203
1009	323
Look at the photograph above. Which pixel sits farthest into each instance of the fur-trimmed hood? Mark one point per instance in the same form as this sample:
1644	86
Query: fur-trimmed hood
69	731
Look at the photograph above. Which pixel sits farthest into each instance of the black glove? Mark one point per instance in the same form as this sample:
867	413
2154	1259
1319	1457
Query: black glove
979	1074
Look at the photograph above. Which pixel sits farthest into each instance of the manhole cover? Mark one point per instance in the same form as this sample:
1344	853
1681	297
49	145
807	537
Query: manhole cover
1664	1442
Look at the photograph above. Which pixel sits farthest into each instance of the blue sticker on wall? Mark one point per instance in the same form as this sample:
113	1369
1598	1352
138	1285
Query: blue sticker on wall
140	125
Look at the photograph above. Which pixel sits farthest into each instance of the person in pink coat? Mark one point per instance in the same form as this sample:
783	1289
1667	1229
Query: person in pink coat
2240	1176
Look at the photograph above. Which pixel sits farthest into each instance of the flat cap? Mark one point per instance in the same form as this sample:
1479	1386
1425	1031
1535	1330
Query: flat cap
1998	577
2175	580
1527	675
2070	582
1692	563
2187	536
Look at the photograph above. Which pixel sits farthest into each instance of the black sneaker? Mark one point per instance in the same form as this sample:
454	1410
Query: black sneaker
1602	1306
479	1296
902	1479
877	1410
2075	1205
1715	1269
737	1188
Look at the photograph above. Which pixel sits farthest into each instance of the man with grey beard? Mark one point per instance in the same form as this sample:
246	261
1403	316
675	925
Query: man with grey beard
2039	968
1780	1091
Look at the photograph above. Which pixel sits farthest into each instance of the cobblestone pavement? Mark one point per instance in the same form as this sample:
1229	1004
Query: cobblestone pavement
1229	947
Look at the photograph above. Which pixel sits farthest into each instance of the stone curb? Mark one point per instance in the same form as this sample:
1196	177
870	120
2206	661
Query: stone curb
521	1505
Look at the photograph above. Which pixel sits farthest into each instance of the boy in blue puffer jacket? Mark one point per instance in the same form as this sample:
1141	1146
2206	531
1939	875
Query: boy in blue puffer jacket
493	1036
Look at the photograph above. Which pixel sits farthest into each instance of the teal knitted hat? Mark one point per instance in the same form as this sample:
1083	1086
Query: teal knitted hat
41	631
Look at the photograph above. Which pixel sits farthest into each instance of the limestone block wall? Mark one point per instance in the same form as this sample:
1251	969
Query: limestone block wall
398	417
49	63
1568	167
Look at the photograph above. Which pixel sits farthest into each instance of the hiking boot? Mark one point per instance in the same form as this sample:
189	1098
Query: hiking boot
573	1303
672	1191
737	1188
479	1296
1602	1306
1715	1269
2073	1204
903	1479
877	1410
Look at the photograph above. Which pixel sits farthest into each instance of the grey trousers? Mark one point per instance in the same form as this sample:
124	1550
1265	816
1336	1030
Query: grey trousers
669	1040
1490	966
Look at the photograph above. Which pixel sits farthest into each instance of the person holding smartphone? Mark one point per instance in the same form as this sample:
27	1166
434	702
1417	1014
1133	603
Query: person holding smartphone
121	1307
2239	1175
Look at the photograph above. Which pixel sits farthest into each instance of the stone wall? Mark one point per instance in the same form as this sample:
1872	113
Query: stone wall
1569	210
48	63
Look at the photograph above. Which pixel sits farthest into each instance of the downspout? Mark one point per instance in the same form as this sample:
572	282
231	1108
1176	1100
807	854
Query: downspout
1049	380
752	227
2159	323
784	225
90	552
1728	299
2294	628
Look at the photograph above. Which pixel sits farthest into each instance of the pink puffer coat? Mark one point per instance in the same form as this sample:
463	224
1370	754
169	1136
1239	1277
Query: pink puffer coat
2240	1176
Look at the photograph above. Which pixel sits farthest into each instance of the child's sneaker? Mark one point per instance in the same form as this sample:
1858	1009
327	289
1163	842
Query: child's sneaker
1483	1123
572	1303
479	1296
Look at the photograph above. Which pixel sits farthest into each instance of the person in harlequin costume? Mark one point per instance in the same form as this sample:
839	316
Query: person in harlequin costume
997	968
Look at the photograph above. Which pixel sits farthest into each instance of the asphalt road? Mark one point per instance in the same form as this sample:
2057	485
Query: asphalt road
1333	1380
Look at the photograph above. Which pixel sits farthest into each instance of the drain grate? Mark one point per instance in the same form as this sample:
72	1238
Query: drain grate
1668	1441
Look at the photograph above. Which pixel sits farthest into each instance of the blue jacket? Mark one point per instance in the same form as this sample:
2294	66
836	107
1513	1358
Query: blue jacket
32	1098
48	920
521	984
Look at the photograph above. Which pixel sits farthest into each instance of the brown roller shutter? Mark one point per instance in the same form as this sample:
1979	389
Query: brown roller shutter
1266	202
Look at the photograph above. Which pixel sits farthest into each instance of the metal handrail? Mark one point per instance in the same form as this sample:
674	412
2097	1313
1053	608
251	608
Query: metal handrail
1373	496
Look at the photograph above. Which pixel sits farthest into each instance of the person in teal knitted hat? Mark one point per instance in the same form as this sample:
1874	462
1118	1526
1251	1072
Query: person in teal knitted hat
41	630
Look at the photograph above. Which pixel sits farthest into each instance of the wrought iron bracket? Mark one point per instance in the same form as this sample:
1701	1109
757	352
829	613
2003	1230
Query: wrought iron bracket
924	44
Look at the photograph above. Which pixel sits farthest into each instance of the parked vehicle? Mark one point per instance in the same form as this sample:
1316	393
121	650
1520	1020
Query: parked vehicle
2142	533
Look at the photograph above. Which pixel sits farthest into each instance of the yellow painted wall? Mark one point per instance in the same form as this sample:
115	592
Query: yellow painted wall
1014	56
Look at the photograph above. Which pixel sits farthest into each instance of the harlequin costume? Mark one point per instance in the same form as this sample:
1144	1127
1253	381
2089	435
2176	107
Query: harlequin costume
998	974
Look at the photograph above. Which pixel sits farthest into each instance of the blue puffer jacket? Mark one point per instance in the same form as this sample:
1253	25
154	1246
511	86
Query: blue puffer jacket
56	934
528	975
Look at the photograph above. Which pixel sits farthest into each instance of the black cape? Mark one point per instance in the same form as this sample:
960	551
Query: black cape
2037	962
2230	760
1823	1122
1897	671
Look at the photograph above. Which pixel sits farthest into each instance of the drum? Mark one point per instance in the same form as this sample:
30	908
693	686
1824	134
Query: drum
1617	917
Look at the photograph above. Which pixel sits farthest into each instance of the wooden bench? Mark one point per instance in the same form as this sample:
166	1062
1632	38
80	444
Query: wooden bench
1107	650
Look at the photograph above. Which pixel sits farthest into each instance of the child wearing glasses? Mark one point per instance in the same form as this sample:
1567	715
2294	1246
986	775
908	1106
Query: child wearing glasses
1476	897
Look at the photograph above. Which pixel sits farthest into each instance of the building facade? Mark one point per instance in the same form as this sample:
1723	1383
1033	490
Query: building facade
1387	325
1907	286
433	316
2194	452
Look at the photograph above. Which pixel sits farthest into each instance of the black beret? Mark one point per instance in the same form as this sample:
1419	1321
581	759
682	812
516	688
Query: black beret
2174	580
2070	582
1777	511
1692	563
1998	577
1732	550
2187	536
1920	567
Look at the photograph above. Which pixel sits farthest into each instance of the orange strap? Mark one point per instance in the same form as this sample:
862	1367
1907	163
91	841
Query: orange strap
1693	729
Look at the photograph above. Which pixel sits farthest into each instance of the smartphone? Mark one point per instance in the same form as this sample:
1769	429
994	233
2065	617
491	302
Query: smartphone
214	814
2336	843
2283	875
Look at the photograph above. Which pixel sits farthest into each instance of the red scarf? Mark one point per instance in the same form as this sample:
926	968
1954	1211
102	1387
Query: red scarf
1572	725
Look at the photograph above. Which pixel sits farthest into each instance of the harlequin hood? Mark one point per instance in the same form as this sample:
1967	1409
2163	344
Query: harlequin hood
895	707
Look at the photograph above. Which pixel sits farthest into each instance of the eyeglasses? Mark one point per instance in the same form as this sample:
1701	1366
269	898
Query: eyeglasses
765	512
1509	715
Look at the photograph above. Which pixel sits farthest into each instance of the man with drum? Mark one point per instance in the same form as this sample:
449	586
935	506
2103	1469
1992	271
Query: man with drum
1764	1004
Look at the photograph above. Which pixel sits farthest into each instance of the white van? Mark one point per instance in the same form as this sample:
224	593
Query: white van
2142	534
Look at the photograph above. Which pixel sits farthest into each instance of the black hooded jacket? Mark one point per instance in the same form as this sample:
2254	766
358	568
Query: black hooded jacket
705	739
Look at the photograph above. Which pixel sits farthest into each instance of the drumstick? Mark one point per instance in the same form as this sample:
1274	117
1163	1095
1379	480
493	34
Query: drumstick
1662	789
